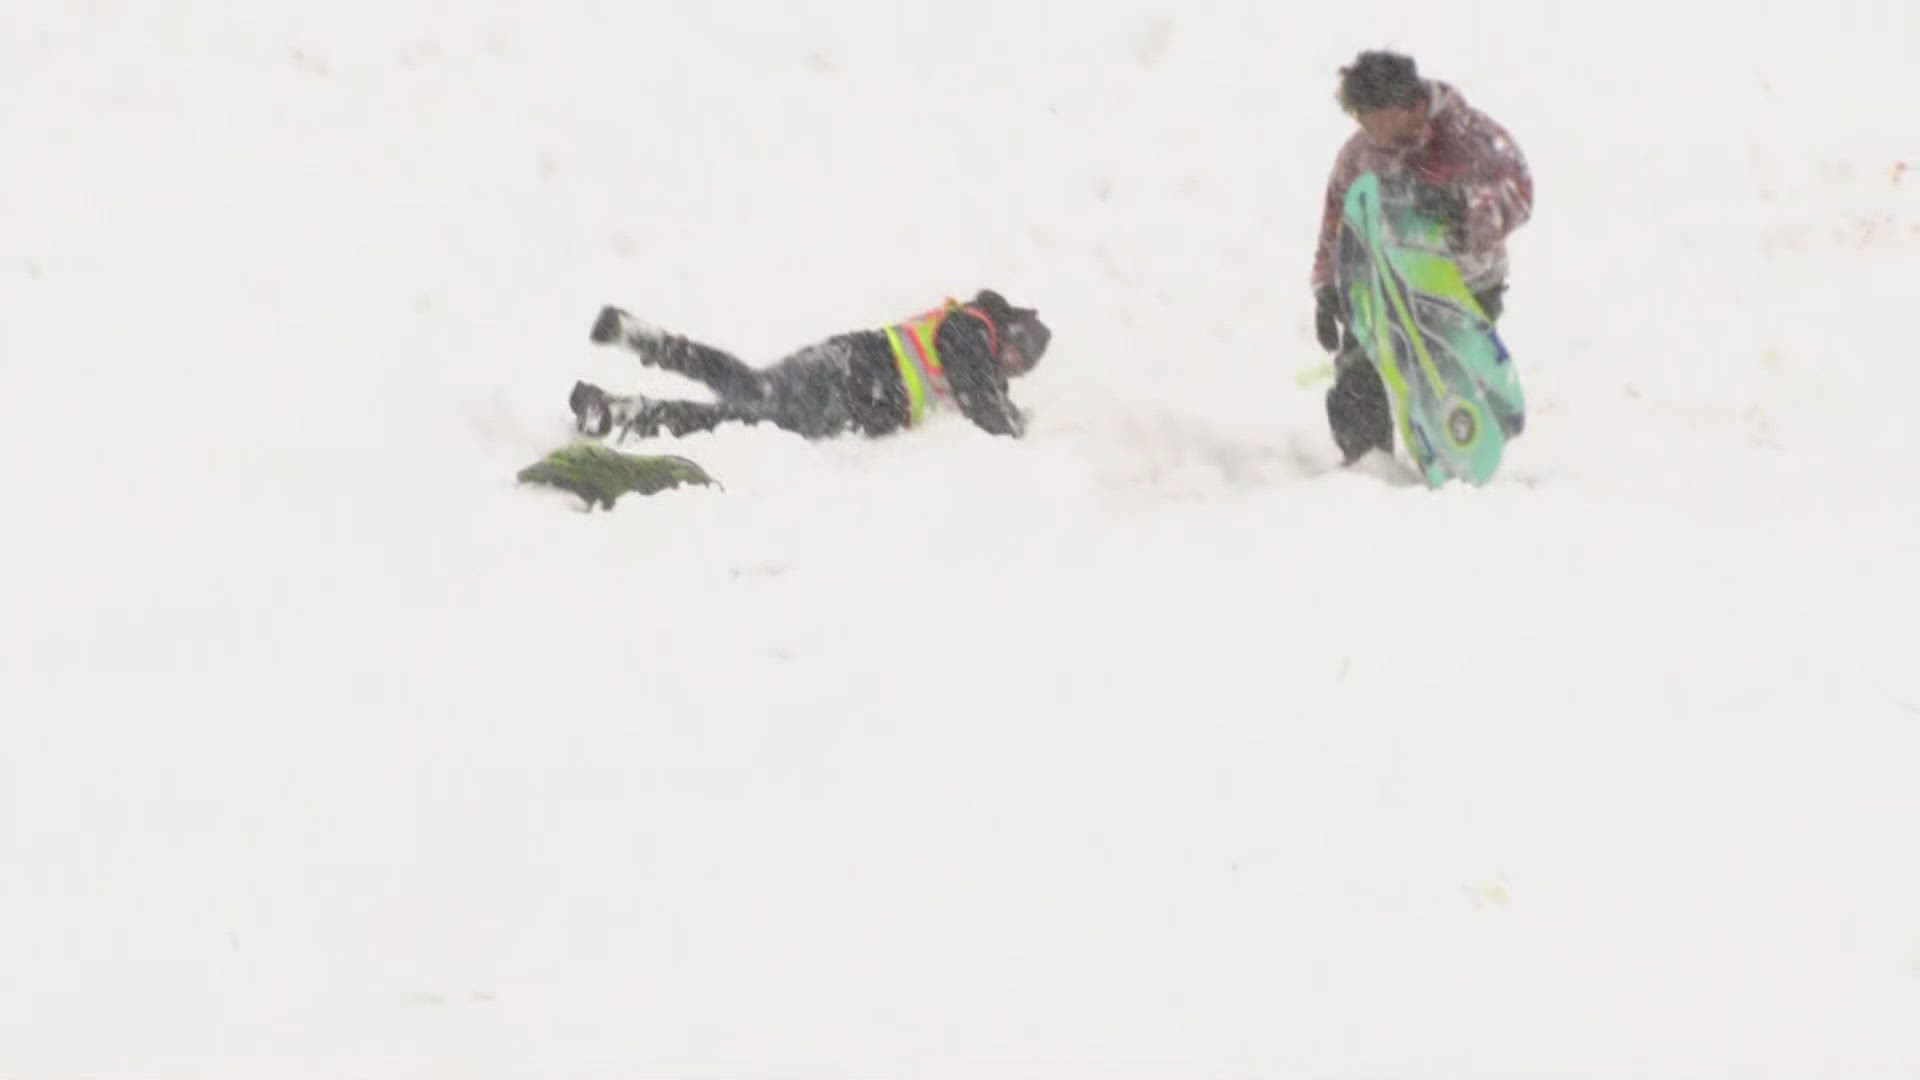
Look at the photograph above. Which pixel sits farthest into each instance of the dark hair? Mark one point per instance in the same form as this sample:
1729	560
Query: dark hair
1380	80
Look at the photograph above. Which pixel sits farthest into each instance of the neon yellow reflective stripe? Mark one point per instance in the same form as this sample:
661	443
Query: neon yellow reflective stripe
910	375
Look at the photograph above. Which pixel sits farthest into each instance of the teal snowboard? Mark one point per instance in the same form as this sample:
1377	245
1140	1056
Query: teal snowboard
1456	396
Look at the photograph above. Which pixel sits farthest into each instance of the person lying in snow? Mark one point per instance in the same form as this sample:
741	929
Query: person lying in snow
872	382
1469	175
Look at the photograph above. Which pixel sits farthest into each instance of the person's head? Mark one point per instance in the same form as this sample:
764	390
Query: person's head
1022	336
1385	93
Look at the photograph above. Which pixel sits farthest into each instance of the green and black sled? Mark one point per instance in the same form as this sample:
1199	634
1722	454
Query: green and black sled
1456	396
600	474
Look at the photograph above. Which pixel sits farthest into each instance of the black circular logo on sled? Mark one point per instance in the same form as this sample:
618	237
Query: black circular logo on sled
1462	425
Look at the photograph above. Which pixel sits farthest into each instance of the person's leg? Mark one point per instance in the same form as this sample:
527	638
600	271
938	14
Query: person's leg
726	374
808	392
597	413
1357	408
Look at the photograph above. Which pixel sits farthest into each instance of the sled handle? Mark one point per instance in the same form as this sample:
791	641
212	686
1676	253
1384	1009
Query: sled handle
1311	376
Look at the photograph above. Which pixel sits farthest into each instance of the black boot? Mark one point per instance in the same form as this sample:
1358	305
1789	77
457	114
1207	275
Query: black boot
1358	412
606	328
591	414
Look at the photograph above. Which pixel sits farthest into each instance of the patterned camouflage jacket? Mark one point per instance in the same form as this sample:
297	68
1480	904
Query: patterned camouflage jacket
1468	151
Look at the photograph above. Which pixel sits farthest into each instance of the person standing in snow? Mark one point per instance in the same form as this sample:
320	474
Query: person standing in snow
1467	173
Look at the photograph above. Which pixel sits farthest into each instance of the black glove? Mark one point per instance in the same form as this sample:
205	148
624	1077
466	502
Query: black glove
1443	204
1327	317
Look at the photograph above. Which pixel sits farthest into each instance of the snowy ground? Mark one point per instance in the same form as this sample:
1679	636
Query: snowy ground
1144	747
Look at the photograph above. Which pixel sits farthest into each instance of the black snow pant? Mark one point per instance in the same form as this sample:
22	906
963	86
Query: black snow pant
1357	407
806	393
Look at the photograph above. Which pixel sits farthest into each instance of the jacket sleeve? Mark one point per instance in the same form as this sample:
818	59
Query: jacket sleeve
1345	171
973	373
1493	179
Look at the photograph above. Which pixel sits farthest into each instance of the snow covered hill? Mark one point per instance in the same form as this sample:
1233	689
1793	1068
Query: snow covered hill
325	750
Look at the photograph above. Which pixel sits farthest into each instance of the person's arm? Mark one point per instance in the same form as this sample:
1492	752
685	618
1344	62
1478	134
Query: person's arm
1333	207
1494	184
973	374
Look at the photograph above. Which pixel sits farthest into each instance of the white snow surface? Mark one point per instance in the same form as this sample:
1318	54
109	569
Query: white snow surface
1150	745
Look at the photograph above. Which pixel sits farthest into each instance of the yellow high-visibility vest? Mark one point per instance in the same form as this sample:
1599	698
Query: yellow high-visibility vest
919	360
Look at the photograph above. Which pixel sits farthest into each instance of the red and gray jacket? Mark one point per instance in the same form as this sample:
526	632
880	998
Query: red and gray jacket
1467	151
